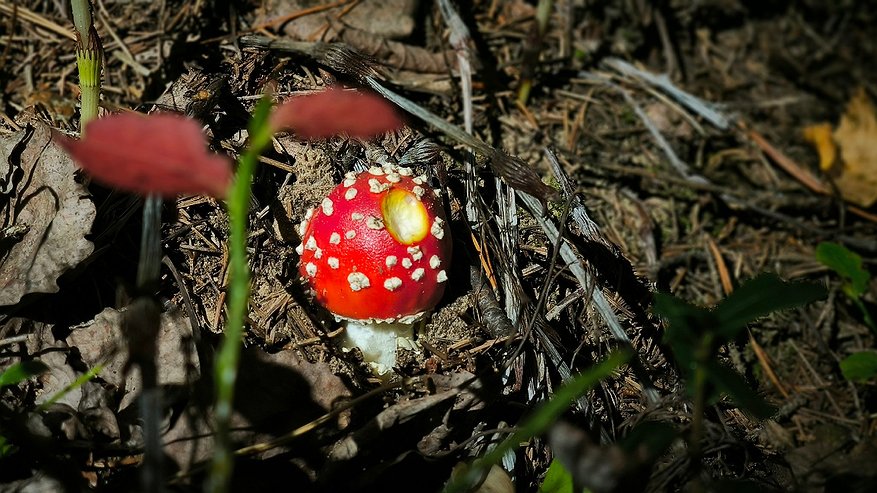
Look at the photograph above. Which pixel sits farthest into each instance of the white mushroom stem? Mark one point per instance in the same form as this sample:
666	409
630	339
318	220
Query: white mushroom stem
379	342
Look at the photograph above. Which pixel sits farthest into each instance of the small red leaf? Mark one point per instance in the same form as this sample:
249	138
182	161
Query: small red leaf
336	111
160	153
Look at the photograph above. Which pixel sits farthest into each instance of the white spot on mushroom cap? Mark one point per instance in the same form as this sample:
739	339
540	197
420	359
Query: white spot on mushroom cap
302	227
442	276
327	206
375	186
350	193
358	281
334	238
437	230
391	260
300	249
393	177
402	170
375	170
356	216
415	253
373	222
333	262
417	180
311	244
418	274
350	234
348	182
318	253
393	283
311	269
309	213
406	262
435	261
418	191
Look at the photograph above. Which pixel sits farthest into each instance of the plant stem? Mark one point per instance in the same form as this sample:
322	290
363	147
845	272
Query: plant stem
89	58
695	436
81	19
532	47
238	293
146	310
866	314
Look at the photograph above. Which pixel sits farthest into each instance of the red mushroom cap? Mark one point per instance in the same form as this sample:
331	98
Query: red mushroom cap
377	248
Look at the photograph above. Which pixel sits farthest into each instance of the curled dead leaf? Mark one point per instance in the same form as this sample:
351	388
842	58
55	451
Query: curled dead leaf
45	214
854	142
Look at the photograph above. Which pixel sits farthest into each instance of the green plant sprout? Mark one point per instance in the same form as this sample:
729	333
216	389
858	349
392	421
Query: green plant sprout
541	419
695	335
862	366
239	293
14	375
543	16
848	265
89	59
24	370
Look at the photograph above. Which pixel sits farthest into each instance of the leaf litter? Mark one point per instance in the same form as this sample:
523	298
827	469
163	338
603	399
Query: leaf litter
41	197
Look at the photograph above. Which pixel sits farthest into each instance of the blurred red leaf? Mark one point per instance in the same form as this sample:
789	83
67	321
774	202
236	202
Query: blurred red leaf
336	111
160	153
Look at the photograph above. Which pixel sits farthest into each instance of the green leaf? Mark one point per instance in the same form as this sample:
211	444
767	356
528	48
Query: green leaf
760	296
21	371
649	438
686	322
6	447
544	416
847	264
557	479
685	317
859	367
731	383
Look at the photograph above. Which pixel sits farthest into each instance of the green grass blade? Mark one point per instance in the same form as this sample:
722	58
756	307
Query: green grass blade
85	377
21	371
238	294
540	420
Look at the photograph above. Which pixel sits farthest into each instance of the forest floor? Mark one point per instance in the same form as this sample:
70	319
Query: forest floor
692	146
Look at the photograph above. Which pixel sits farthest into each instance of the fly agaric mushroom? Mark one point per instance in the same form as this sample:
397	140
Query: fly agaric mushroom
375	254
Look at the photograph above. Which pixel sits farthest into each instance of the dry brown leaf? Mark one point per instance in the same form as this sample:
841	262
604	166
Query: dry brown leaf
102	341
48	210
856	139
305	20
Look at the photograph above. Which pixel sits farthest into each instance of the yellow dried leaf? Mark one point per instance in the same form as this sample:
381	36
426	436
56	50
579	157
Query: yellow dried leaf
820	136
856	136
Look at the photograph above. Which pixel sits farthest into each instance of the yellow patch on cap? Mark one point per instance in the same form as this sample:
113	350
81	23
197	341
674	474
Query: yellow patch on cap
405	217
